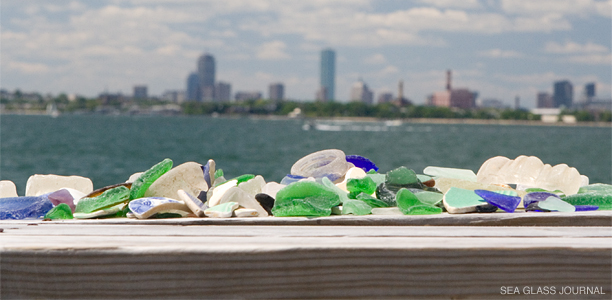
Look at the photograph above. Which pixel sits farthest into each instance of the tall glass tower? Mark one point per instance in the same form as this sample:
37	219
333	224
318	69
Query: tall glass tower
206	73
328	73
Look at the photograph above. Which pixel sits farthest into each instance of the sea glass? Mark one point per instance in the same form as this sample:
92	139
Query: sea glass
508	203
365	185
109	198
29	207
144	208
144	181
459	201
464	174
60	212
552	203
305	199
371	201
209	172
402	177
530	171
223	210
7	189
187	176
409	204
356	207
43	184
361	162
341	193
536	197
329	163
244	199
603	201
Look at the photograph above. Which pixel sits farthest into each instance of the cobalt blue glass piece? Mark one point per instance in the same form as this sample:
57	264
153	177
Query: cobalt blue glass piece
206	170
537	197
361	162
30	207
586	207
291	179
505	202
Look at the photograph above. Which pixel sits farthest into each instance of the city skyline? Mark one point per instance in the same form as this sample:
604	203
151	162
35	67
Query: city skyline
501	49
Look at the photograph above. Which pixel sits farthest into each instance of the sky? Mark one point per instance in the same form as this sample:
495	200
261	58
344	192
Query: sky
499	48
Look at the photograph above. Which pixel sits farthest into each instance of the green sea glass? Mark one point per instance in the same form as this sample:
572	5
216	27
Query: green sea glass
459	201
556	192
377	178
109	198
218	173
244	178
356	207
60	212
305	198
372	201
144	181
342	194
359	185
604	201
409	204
402	177
430	198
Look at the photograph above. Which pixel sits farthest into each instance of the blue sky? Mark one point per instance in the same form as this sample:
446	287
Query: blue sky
496	47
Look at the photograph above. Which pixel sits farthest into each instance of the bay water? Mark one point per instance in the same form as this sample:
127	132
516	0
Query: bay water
108	149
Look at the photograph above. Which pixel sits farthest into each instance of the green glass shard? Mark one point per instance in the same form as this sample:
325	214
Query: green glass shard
144	181
356	207
305	198
109	198
365	185
60	212
371	201
218	173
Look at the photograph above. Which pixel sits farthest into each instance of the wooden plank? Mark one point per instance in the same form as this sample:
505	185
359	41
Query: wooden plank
591	218
75	260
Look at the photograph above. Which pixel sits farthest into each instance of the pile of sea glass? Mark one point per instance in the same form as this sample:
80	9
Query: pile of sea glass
323	183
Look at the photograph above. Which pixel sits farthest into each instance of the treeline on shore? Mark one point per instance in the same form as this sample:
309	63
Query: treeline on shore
284	108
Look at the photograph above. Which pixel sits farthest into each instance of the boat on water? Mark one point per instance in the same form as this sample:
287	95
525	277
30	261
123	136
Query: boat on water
52	110
350	125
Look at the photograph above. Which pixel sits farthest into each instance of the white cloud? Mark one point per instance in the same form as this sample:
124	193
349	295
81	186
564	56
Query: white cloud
560	7
571	47
499	53
453	3
27	68
273	51
592	59
375	59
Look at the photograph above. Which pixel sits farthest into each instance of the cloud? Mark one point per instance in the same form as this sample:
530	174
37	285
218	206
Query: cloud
592	59
274	50
498	53
375	59
27	68
559	7
467	4
571	47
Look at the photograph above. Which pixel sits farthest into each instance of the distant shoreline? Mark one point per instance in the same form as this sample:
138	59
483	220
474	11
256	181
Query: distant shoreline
373	119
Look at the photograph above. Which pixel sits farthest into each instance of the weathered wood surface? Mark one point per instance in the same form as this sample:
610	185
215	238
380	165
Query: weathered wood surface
78	260
590	218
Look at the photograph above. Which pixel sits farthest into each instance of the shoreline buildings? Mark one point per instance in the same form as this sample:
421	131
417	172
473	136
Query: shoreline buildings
327	89
361	93
460	98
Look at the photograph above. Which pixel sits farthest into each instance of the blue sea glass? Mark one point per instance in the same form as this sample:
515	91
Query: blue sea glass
506	202
586	207
289	179
361	162
536	197
30	207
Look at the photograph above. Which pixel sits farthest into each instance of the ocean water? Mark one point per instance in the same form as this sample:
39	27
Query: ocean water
108	149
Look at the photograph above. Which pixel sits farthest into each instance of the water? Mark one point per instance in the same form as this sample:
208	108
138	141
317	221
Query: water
108	149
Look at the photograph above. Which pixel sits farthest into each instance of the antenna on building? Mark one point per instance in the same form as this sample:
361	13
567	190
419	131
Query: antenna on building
400	90
448	80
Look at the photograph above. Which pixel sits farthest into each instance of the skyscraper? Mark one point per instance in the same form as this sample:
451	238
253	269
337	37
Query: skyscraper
328	73
206	73
276	92
589	90
563	93
193	87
